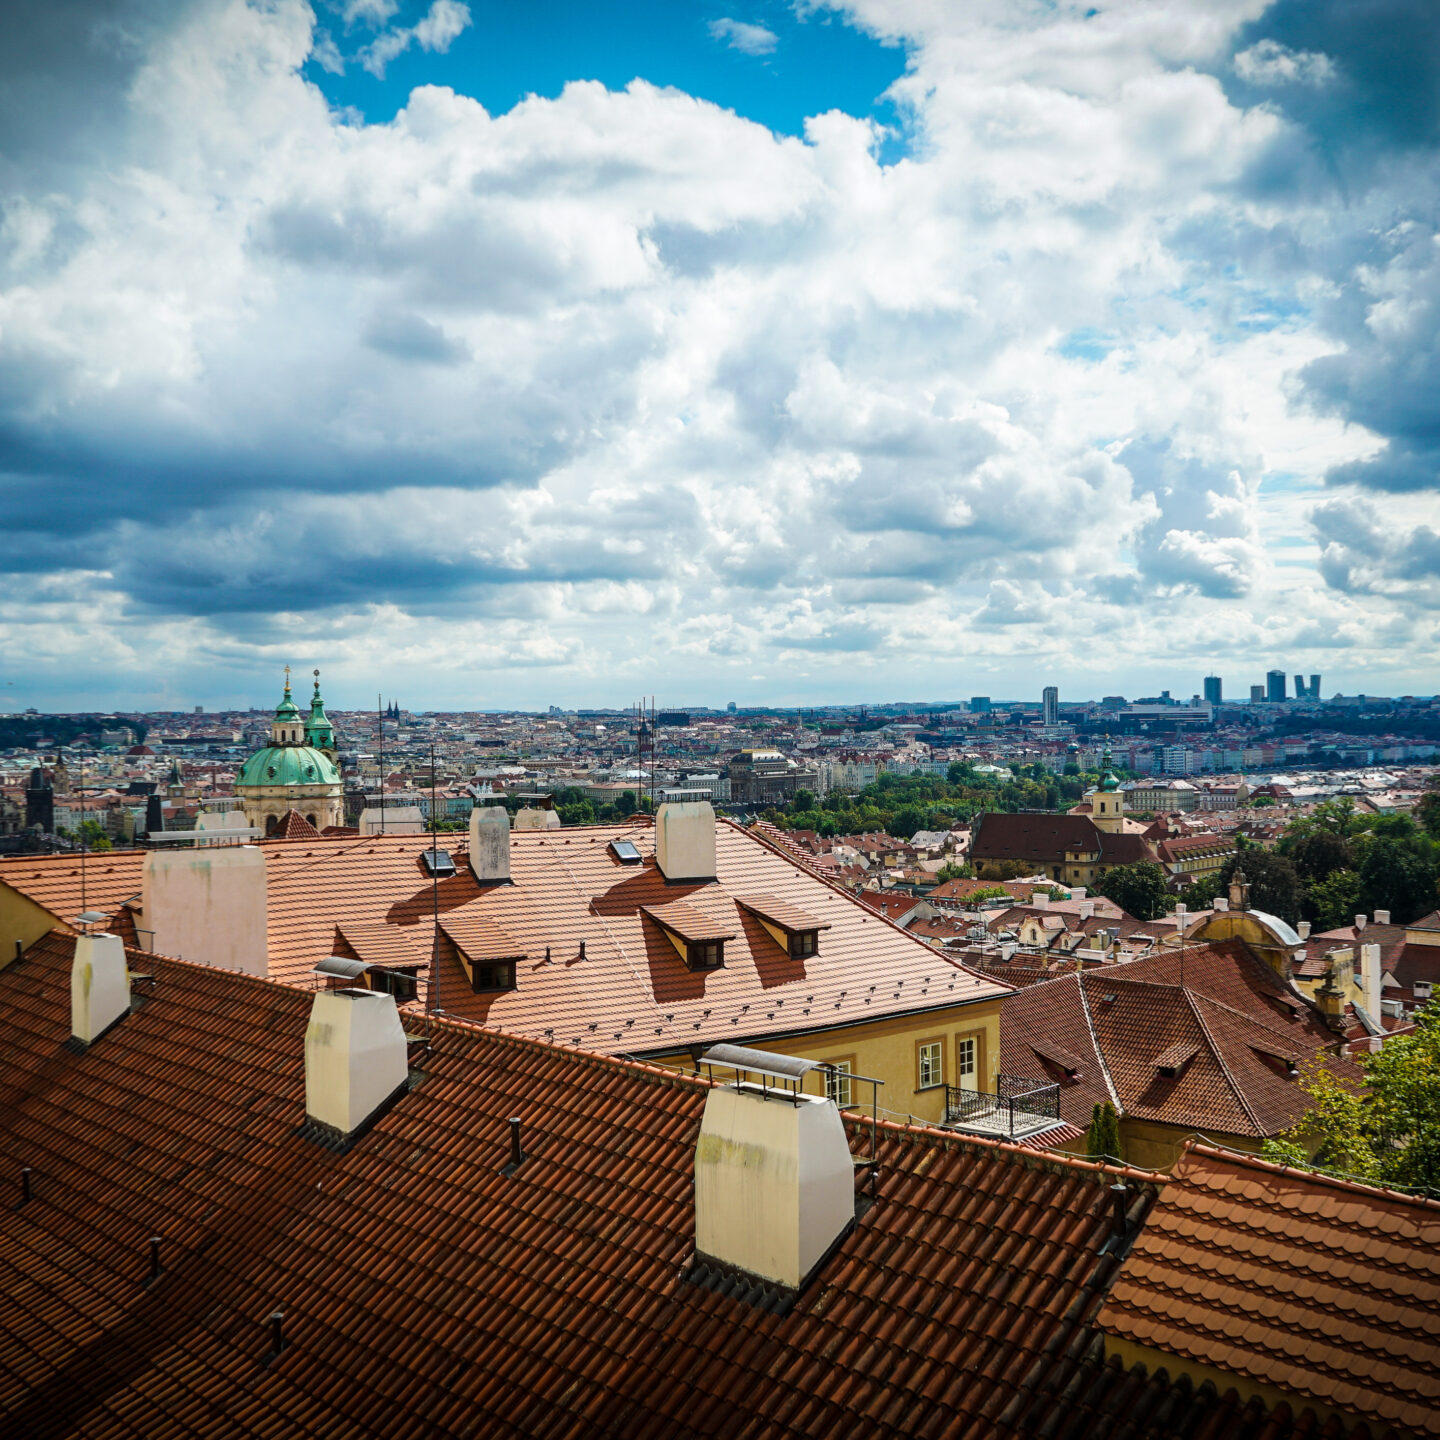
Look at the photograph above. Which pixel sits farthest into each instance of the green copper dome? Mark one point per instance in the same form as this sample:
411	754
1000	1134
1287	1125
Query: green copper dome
318	730
287	709
288	765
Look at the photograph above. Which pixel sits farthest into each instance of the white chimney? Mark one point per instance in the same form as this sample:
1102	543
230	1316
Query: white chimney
685	840
1359	922
355	1057
1303	929
99	986
1220	902
1078	892
532	819
1382	917
774	1182
208	906
1087	909
490	844
1040	899
1370	980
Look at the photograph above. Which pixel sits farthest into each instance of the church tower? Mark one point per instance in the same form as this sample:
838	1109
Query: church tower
1107	801
296	770
319	732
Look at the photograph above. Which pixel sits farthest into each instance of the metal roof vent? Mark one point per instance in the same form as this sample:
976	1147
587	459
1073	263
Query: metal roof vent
774	1178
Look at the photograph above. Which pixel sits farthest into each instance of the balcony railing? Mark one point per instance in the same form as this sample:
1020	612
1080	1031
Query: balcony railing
1017	1106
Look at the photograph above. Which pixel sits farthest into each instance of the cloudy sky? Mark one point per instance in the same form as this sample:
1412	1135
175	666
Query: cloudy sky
526	353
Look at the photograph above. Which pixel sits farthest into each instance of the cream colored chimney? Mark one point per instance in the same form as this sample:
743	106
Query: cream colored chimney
489	844
1303	929
1040	899
1087	909
1370	980
1382	917
355	1057
774	1182
533	819
685	840
1359	922
99	986
207	906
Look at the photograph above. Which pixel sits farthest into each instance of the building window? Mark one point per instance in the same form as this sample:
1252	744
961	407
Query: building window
498	975
402	984
705	954
837	1082
930	1063
967	1062
803	944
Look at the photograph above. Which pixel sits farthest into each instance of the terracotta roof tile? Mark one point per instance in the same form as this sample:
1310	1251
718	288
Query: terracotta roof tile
1264	1286
426	1292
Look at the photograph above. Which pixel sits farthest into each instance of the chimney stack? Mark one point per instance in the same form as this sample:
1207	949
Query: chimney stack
490	844
1370	980
208	906
533	818
355	1058
1360	922
99	986
1087	909
774	1181
1303	929
685	841
1382	917
1040	899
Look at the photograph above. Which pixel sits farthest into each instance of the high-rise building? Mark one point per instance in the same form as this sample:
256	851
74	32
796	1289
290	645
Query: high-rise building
979	704
1314	687
1212	689
1050	699
1300	687
1274	685
1257	694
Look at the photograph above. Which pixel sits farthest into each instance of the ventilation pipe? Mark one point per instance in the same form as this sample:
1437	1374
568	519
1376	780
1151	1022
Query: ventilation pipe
490	844
355	1058
774	1181
685	840
99	986
208	906
1370	980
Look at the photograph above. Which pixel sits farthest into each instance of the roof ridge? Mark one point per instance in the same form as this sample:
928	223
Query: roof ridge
1078	976
1337	1182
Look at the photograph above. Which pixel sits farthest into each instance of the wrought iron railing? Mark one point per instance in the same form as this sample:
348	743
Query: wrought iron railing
1017	1106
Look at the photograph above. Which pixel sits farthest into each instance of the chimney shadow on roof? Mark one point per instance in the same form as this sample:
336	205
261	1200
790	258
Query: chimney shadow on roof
454	892
646	886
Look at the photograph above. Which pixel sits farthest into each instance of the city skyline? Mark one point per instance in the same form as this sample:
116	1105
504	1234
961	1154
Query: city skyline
808	354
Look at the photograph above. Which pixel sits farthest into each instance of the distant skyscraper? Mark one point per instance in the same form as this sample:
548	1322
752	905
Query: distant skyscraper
1050	698
1257	694
980	704
1274	685
1212	689
1314	687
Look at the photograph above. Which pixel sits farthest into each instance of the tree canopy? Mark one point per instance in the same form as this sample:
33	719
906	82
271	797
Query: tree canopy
1138	889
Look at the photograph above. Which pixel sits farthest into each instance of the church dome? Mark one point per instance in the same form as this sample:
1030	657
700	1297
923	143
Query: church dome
287	765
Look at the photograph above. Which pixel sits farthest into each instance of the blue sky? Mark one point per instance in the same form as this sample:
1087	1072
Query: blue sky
764	61
517	354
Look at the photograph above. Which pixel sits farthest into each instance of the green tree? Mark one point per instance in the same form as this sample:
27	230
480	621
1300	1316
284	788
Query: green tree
1102	1140
1333	901
1316	854
1388	1132
1003	869
803	800
1394	877
951	871
625	802
1138	889
1427	810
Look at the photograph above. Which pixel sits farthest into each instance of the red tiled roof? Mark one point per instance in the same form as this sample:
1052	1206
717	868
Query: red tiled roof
1323	1288
294	826
1122	1020
787	917
384	945
54	881
1049	838
427	1292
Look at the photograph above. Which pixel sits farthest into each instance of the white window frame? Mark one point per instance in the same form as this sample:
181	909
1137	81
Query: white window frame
838	1086
967	1076
931	1064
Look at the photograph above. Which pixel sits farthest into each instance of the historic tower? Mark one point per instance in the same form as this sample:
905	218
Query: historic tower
296	770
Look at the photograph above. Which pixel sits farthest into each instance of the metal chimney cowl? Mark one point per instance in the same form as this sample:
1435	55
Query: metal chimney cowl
355	1057
99	986
685	840
774	1182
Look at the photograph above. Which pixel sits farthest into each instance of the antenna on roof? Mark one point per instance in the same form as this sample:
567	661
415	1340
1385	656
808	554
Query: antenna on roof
431	998
380	755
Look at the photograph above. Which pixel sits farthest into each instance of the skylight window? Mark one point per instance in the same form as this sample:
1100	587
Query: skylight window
626	852
439	863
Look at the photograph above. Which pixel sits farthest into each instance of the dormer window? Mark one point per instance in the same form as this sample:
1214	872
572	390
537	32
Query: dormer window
488	956
796	931
698	940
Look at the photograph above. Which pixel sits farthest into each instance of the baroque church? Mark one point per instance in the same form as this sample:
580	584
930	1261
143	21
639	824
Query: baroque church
296	771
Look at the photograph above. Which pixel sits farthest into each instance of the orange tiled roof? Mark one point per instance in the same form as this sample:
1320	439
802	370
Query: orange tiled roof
54	881
1237	1023
1323	1288
294	826
426	1292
